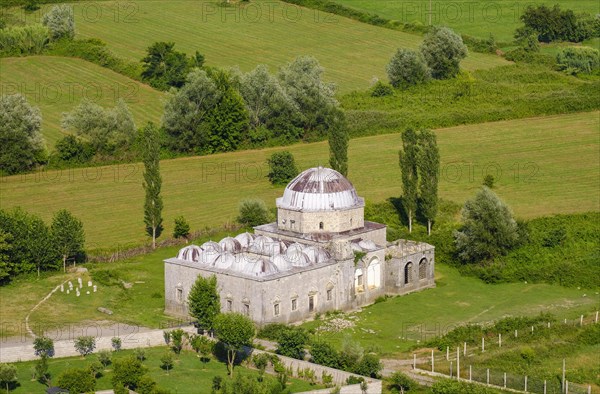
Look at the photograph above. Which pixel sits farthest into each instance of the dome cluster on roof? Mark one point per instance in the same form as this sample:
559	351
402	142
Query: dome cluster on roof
319	189
254	255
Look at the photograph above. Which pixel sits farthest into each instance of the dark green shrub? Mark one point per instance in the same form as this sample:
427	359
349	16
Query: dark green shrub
72	149
76	381
488	181
324	354
282	168
292	342
578	60
253	213
182	228
381	89
272	331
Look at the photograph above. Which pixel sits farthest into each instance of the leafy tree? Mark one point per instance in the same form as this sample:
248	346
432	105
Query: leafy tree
282	168
139	353
292	343
127	372
488	229
95	369
43	346
400	382
369	365
116	343
152	182
177	340
72	149
409	155
104	356
85	345
107	130
68	235
146	385
40	242
164	67
60	21
253	213
185	119
443	50
204	302
203	346
8	375
407	68
166	361
21	142
182	228
338	149
553	24
429	173
324	354
235	331
312	97
76	381
6	266
41	370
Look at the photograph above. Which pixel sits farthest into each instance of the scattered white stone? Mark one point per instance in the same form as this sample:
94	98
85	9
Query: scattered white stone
62	288
70	285
87	292
89	283
68	291
95	288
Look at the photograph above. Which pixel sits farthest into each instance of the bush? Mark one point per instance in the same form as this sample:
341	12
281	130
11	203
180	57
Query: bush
381	89
282	168
399	382
104	357
253	213
76	381
23	40
127	372
443	51
291	343
139	353
182	228
60	21
272	331
369	365
71	149
166	361
487	45
578	60
407	68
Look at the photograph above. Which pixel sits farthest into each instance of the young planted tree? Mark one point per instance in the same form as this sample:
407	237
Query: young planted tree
204	302
203	346
43	346
85	345
409	155
235	331
41	370
338	149
152	182
488	229
68	235
8	375
429	173
182	228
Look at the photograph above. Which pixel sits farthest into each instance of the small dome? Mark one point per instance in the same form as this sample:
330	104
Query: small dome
296	256
356	247
263	245
229	244
367	244
190	253
316	254
260	268
225	261
282	263
245	239
208	257
211	246
319	189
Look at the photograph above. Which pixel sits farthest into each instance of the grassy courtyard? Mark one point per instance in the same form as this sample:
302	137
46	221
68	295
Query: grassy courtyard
56	85
542	166
188	376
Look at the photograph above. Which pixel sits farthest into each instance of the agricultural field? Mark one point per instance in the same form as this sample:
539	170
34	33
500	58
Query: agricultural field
267	32
56	85
478	19
542	166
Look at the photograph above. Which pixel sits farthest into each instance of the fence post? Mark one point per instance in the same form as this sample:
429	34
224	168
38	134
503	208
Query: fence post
565	321
414	361
525	383
589	389
457	363
531	328
596	318
488	376
432	370
544	386
504	379
499	340
566	386
548	324
470	374
515	333
563	376
465	349
482	344
447	353
450	369
581	320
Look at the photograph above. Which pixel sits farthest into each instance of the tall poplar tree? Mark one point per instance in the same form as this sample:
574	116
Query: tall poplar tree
409	155
204	302
338	148
152	182
429	172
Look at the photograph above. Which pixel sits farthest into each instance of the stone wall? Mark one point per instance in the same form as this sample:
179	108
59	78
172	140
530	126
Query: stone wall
399	280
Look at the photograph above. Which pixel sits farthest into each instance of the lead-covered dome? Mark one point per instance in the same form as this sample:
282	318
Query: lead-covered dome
319	189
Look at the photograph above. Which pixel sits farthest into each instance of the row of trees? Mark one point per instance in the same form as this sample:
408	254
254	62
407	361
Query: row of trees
27	244
420	167
554	24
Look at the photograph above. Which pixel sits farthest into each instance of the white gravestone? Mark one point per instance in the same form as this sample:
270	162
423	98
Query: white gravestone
62	288
89	283
95	288
68	291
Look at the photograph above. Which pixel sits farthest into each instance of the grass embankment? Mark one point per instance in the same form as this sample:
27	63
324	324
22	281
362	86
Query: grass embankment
56	85
500	18
542	166
188	376
269	32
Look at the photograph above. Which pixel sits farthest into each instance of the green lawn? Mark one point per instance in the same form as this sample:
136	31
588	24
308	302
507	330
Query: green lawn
399	323
188	376
478	19
269	32
56	85
541	165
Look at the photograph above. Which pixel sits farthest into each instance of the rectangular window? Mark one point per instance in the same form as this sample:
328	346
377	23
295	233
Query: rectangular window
229	305
294	304
179	295
329	295
276	309
311	303
360	280
247	309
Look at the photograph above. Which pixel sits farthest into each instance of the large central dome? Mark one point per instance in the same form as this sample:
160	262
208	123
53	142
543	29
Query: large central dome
319	189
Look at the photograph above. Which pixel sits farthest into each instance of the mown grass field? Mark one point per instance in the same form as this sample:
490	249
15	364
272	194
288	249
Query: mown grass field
56	85
478	19
541	165
188	376
262	31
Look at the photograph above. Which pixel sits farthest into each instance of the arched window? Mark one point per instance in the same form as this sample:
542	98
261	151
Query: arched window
374	274
408	273
423	269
